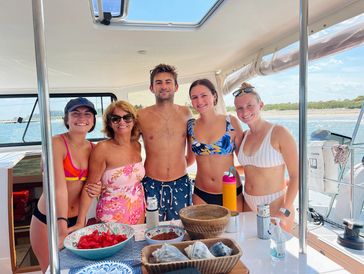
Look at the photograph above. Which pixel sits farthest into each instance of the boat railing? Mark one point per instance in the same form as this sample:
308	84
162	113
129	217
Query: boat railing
342	191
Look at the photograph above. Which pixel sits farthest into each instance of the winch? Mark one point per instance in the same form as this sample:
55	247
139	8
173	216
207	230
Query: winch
351	237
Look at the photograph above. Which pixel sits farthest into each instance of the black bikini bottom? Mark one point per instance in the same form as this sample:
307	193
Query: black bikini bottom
43	218
215	199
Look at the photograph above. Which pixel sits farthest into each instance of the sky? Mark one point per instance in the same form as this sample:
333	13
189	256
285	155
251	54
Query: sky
335	77
160	10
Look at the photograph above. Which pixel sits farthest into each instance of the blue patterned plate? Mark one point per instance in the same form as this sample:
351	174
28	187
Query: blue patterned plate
106	267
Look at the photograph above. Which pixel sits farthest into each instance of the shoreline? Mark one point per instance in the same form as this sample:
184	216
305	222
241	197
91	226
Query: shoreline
313	112
337	112
341	112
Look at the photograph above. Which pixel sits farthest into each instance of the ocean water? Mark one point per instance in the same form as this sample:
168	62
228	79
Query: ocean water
336	124
13	132
344	125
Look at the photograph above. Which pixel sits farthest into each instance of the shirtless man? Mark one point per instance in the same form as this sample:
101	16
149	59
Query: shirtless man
164	130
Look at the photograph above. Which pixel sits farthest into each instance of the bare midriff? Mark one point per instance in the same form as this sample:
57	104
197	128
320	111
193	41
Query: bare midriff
210	170
74	189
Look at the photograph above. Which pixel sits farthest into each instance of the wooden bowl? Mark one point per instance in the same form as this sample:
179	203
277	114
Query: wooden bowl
204	221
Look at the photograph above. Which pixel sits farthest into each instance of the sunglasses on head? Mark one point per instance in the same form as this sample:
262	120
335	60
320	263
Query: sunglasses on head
115	119
239	91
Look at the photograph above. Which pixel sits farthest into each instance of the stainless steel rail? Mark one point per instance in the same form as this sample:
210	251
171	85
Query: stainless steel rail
302	144
47	155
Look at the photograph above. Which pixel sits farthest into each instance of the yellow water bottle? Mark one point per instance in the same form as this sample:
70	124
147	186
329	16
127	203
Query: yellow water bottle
229	190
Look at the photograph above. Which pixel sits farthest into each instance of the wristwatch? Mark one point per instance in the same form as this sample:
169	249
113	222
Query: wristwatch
285	211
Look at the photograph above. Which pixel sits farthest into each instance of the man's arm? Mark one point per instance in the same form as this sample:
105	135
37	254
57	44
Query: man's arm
238	133
190	157
140	116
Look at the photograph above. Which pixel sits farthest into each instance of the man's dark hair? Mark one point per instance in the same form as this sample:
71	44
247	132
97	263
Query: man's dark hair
163	68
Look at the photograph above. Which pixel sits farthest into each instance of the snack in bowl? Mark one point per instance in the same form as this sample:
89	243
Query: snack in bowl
164	234
103	240
223	264
99	239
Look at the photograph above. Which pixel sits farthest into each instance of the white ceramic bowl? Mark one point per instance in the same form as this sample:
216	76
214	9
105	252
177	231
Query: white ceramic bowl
151	232
70	242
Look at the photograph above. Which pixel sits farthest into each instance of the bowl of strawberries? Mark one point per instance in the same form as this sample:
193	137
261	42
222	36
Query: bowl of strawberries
99	241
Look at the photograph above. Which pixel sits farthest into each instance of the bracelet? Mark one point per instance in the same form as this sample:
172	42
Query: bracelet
63	218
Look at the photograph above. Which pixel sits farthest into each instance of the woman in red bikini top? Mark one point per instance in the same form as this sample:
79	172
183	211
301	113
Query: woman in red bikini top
71	172
71	152
117	162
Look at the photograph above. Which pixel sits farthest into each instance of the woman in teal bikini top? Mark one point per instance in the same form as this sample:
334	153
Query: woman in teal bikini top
213	138
224	146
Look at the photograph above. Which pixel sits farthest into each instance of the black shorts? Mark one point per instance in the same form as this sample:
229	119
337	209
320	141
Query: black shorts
215	199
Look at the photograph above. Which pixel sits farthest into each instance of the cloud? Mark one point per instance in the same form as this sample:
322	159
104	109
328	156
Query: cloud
331	63
353	69
314	68
335	77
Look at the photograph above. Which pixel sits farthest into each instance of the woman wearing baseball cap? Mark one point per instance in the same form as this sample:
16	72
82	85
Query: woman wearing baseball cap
71	152
117	162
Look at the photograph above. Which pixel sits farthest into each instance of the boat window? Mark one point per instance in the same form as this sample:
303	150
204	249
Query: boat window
161	13
117	9
20	119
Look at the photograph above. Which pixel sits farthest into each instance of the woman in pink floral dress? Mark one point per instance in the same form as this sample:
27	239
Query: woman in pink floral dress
117	163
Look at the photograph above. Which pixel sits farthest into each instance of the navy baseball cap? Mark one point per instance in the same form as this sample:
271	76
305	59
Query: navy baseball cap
79	102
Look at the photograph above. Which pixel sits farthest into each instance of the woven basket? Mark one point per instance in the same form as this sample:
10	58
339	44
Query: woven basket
204	221
205	266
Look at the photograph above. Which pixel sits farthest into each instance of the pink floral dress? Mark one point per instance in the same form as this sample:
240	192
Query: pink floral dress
122	201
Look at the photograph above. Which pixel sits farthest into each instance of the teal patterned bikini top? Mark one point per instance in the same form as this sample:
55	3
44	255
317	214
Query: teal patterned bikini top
224	146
